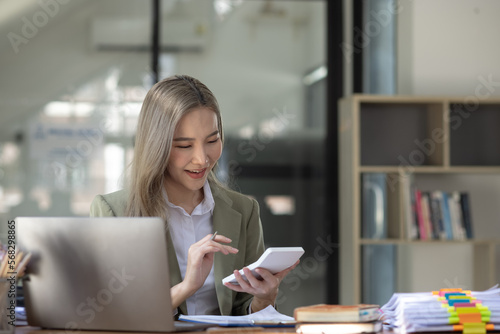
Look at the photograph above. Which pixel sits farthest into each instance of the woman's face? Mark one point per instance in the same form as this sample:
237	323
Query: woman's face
196	147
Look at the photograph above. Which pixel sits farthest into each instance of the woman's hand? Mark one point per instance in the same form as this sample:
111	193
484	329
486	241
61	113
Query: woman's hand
264	290
199	264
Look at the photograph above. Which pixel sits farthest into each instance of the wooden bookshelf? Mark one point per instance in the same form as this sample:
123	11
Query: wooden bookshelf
445	143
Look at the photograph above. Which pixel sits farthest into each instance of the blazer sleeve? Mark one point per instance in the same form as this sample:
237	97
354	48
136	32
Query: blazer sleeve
101	208
254	249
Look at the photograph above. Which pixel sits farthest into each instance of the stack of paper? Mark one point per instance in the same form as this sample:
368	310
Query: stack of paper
444	310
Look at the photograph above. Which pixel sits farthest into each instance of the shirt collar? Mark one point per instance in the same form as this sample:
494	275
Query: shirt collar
207	205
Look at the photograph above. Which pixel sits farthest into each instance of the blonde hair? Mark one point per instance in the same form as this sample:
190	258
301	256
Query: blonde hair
163	107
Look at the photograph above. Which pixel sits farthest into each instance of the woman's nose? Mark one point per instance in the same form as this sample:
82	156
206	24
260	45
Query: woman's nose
200	157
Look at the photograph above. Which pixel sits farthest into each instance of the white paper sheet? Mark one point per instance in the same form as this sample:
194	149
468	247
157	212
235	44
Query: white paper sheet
268	316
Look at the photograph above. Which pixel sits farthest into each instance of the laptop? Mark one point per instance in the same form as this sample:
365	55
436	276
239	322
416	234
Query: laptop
107	274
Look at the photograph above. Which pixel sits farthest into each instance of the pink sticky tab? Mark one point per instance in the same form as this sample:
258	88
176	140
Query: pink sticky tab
464	305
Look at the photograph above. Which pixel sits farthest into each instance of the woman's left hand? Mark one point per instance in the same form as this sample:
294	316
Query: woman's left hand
264	290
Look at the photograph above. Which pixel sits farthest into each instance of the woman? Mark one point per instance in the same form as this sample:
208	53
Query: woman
178	143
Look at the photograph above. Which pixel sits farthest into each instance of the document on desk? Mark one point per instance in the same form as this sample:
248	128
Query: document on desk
267	317
450	309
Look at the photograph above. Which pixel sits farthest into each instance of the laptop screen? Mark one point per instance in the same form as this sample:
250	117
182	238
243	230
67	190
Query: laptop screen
96	273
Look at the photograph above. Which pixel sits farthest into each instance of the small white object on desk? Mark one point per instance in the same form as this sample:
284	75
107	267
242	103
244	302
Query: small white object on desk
266	317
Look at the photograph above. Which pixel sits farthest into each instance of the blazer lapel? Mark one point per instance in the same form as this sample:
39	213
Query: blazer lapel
228	223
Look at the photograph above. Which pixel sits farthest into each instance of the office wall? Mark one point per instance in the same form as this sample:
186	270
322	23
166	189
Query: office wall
254	61
448	47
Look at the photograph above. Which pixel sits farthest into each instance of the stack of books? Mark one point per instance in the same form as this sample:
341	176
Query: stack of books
436	214
445	310
439	215
337	319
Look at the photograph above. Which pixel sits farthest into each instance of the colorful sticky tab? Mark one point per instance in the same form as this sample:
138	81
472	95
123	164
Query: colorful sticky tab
474	328
451	295
470	318
452	302
464	304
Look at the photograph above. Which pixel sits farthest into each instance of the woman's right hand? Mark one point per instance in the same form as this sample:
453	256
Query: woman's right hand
199	264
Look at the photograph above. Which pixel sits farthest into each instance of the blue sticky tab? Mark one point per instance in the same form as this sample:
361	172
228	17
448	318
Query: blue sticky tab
454	294
452	302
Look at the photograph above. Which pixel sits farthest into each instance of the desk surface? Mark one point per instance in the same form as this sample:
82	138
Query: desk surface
215	330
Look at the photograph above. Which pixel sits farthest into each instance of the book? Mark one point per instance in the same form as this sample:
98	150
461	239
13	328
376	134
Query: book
437	214
339	328
426	214
337	313
446	215
409	207
456	216
466	215
422	232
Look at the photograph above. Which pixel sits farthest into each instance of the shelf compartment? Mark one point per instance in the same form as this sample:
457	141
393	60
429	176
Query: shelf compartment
380	215
378	263
483	195
474	134
399	134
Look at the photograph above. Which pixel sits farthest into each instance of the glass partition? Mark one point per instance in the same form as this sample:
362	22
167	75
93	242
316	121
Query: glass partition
74	75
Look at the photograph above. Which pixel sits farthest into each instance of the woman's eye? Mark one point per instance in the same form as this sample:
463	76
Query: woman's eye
187	146
214	141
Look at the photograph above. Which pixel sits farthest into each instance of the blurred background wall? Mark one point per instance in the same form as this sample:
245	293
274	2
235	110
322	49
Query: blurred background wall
74	74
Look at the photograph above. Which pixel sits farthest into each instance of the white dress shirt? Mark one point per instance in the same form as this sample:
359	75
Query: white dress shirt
185	230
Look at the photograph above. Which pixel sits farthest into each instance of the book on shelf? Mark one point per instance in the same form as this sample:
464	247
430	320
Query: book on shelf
436	214
337	313
410	210
456	216
339	328
437	217
466	215
445	210
426	215
422	231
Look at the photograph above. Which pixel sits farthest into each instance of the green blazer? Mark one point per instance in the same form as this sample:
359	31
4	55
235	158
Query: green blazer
235	216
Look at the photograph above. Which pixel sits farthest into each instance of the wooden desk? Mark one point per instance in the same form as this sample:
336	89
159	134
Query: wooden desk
215	330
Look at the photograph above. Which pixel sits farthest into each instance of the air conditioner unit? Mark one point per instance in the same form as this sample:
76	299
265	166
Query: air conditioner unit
134	34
